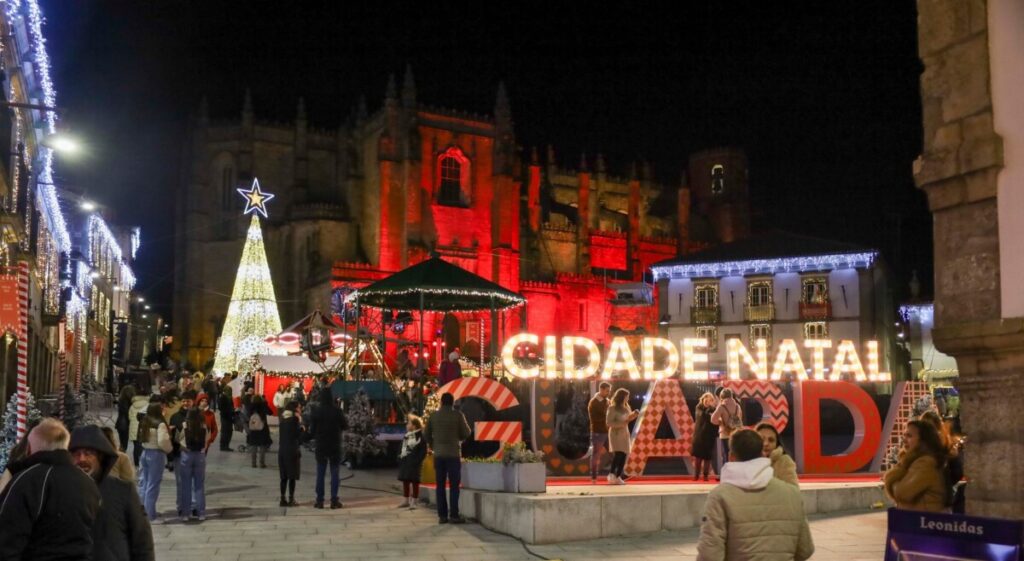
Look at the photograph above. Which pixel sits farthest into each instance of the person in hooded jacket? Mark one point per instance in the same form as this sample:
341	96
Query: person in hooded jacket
121	531
752	515
48	510
288	453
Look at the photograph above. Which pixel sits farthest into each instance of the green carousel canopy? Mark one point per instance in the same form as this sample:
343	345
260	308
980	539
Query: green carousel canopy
439	286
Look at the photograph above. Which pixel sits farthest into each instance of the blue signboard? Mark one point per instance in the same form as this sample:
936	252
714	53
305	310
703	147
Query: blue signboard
928	536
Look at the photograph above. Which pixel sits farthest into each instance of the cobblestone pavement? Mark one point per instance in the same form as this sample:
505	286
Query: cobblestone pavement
246	524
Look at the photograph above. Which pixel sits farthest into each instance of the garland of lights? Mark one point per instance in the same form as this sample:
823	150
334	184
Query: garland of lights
507	301
924	311
98	226
765	266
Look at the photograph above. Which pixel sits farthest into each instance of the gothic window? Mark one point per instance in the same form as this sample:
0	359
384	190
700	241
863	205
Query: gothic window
816	330
453	178
760	331
717	179
451	181
227	188
710	333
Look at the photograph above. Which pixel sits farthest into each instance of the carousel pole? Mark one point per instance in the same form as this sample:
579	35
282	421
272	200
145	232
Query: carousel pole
494	334
355	360
419	357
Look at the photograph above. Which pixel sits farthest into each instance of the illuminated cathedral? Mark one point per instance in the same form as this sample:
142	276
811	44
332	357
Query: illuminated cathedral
386	190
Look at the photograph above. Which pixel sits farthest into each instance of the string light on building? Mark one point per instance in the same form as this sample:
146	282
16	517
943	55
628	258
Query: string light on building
252	314
803	264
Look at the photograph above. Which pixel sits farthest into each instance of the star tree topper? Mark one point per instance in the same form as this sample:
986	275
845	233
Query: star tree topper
255	200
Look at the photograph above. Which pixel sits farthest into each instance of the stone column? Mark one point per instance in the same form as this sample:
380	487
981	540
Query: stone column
959	170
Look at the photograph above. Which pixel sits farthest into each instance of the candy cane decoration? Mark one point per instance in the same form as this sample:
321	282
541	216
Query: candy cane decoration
500	398
22	419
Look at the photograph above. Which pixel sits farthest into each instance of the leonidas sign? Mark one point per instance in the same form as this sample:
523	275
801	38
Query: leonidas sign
845	361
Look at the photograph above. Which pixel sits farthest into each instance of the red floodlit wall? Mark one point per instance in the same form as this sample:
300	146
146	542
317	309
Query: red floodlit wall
654	250
608	251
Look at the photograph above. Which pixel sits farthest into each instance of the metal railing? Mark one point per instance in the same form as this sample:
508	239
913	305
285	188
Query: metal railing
815	310
764	312
705	314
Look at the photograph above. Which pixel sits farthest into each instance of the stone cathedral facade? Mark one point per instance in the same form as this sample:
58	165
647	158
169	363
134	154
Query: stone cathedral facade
386	190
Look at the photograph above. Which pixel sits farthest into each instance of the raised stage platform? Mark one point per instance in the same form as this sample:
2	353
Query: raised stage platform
574	509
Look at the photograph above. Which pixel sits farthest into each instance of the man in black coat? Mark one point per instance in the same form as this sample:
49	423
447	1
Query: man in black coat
48	509
226	406
121	531
326	426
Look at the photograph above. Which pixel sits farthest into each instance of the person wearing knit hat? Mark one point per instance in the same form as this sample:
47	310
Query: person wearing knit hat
449	369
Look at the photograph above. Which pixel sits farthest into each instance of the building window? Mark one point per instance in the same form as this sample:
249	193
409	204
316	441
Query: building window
451	182
759	293
814	290
717	179
582	316
816	330
710	334
705	296
229	199
760	331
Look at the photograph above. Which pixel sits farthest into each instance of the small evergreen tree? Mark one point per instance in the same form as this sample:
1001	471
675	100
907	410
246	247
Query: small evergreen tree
573	437
74	408
360	440
9	428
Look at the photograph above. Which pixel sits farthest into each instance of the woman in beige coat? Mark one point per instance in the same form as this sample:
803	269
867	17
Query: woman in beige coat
783	467
918	481
618	418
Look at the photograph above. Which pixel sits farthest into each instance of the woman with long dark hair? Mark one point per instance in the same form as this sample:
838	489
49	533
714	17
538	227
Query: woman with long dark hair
918	481
288	453
705	436
618	418
783	466
954	460
123	422
192	489
156	444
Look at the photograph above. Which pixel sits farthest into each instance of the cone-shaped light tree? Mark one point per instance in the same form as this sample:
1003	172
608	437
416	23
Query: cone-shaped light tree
252	313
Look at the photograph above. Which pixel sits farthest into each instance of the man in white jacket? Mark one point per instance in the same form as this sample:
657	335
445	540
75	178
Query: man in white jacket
751	515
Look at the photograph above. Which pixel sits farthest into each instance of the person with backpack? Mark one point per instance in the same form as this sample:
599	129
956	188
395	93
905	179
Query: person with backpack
258	438
192	468
729	418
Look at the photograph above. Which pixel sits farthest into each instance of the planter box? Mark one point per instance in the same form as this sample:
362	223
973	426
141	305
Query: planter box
483	476
526	478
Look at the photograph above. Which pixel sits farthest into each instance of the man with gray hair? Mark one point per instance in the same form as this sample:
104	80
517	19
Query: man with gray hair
48	509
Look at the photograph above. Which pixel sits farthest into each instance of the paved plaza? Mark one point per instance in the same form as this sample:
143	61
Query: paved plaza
246	524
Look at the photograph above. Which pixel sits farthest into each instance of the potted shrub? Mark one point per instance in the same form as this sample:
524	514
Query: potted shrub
482	474
524	470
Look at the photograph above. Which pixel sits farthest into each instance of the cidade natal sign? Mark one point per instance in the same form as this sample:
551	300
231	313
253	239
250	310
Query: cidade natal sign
843	359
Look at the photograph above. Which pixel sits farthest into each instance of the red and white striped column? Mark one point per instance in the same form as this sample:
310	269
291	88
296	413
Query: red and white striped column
22	426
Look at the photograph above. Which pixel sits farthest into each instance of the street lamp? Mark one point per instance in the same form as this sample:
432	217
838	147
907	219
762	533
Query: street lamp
62	143
87	206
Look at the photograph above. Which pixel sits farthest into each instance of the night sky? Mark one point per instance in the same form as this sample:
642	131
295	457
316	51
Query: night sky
823	96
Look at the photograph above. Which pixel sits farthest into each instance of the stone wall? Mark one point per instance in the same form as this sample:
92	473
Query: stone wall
959	169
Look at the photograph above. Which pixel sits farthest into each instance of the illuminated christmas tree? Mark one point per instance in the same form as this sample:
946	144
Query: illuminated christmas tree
252	314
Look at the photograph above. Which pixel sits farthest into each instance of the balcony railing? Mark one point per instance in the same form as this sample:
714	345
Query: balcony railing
815	310
705	314
765	312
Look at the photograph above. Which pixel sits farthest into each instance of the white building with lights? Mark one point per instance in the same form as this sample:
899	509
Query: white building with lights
926	362
778	286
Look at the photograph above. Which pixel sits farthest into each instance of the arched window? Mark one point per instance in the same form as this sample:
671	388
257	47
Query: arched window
451	181
717	179
452	178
